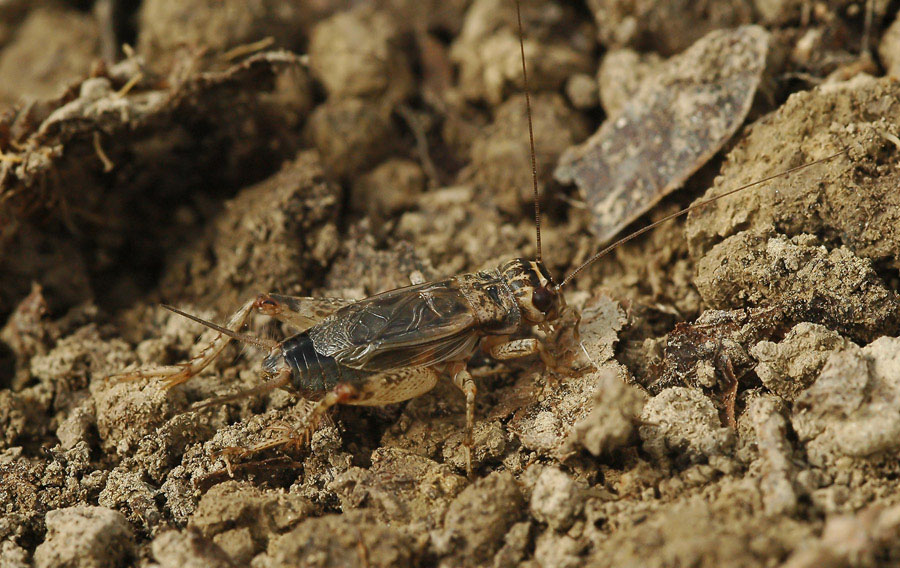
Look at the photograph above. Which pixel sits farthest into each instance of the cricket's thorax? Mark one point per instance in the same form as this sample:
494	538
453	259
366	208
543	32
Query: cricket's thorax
491	301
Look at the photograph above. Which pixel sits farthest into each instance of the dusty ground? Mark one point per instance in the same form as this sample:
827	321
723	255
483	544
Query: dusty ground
735	400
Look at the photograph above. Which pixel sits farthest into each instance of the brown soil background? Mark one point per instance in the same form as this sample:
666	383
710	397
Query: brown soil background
332	148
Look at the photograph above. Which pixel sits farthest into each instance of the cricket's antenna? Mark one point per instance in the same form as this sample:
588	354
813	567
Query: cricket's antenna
259	342
651	226
534	180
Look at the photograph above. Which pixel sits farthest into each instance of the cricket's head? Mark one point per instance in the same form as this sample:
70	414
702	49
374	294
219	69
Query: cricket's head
537	295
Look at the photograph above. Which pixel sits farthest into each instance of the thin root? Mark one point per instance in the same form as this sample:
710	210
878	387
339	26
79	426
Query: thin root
108	164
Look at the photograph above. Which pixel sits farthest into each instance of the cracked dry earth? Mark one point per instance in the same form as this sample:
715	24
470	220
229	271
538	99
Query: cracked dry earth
734	394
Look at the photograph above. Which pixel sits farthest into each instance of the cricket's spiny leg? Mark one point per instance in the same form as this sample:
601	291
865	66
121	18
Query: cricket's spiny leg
173	375
464	381
295	438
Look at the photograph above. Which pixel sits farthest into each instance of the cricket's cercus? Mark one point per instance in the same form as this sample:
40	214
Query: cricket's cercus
397	345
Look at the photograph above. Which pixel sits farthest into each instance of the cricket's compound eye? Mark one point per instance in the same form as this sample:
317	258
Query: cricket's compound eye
542	298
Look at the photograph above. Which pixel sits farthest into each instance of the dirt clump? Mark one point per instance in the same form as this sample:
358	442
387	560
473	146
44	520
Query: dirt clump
500	157
835	288
296	209
85	536
401	487
859	386
791	365
478	519
843	200
171	32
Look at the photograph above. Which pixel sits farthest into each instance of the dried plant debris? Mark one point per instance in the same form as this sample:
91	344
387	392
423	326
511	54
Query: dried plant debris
679	119
59	138
712	353
728	398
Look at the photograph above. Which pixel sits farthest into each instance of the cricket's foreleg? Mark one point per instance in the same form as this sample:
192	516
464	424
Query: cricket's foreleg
464	381
523	348
531	346
173	375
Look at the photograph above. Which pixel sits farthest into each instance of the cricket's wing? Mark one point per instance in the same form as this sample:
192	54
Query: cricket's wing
413	326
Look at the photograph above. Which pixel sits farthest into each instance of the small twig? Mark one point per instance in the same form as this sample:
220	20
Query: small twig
867	28
572	202
126	88
11	158
248	48
415	125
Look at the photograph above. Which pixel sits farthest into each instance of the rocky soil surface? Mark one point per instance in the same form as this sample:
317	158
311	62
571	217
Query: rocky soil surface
732	399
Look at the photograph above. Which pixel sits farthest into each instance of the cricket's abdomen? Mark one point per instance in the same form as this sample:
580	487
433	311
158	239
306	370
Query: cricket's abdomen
314	374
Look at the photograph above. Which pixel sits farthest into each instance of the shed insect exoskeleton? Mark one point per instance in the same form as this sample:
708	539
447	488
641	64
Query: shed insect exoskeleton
397	345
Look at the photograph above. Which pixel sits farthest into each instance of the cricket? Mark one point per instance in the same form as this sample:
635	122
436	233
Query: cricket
396	345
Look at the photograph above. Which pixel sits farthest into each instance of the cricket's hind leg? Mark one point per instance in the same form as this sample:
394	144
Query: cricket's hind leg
291	438
299	312
173	375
